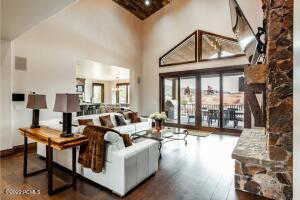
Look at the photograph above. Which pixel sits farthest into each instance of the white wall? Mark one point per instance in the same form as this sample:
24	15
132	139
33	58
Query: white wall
97	30
175	22
5	95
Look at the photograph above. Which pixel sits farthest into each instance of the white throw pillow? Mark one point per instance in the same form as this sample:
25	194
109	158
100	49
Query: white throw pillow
115	140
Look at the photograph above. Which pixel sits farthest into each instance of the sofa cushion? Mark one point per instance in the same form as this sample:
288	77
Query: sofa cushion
133	116
120	120
113	118
95	119
126	114
127	140
128	129
106	121
85	122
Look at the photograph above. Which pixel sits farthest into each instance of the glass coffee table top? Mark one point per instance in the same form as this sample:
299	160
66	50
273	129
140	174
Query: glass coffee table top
166	133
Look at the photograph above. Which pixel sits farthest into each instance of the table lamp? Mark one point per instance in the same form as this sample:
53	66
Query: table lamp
36	102
67	104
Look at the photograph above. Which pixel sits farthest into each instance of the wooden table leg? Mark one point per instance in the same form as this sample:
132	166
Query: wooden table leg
74	167
51	190
25	156
50	169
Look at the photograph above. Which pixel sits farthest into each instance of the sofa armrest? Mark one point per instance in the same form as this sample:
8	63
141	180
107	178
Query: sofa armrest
136	163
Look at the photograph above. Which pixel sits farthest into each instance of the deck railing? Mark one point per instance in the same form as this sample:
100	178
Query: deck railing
190	109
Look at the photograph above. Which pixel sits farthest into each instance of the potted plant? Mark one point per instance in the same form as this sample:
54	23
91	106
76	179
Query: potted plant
159	119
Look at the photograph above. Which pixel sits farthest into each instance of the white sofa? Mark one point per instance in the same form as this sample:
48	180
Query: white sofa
124	168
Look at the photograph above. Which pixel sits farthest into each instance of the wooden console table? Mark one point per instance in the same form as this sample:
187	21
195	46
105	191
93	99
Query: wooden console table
51	138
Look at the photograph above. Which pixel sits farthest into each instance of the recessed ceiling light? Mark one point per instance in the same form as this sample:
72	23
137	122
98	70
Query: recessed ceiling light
147	2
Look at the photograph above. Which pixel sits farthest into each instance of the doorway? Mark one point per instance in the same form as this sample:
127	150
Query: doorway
205	100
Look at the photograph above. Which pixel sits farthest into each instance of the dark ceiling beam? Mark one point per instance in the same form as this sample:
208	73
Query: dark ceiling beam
139	9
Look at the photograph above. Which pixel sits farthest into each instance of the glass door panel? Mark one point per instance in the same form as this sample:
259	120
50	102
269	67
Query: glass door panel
210	101
187	100
233	101
171	99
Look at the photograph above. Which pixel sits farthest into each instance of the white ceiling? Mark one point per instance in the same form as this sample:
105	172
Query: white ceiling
19	16
97	71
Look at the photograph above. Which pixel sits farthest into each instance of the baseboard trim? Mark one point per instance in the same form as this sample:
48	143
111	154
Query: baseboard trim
18	149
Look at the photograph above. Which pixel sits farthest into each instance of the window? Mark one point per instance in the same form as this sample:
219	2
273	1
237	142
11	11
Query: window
98	93
215	47
184	52
122	94
201	46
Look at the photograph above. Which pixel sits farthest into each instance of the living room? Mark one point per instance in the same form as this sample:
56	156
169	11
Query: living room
118	57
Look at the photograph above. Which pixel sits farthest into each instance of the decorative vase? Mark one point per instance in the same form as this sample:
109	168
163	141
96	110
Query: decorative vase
158	125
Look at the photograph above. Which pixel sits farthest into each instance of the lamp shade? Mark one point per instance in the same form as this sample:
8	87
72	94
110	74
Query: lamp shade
66	103
36	101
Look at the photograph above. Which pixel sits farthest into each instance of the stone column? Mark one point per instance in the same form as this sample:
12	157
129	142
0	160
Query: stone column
279	15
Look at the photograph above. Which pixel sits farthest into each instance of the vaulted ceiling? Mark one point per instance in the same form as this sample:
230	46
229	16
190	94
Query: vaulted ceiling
142	8
19	16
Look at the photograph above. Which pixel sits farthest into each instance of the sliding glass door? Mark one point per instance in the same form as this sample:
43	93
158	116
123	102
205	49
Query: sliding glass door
179	96
204	100
210	100
233	101
188	101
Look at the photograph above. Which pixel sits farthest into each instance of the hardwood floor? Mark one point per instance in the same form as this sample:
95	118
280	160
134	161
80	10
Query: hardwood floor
202	170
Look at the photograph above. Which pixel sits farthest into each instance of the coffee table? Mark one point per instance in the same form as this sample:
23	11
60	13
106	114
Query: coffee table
166	135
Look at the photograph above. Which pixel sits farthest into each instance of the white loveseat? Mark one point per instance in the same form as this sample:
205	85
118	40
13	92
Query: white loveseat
124	168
